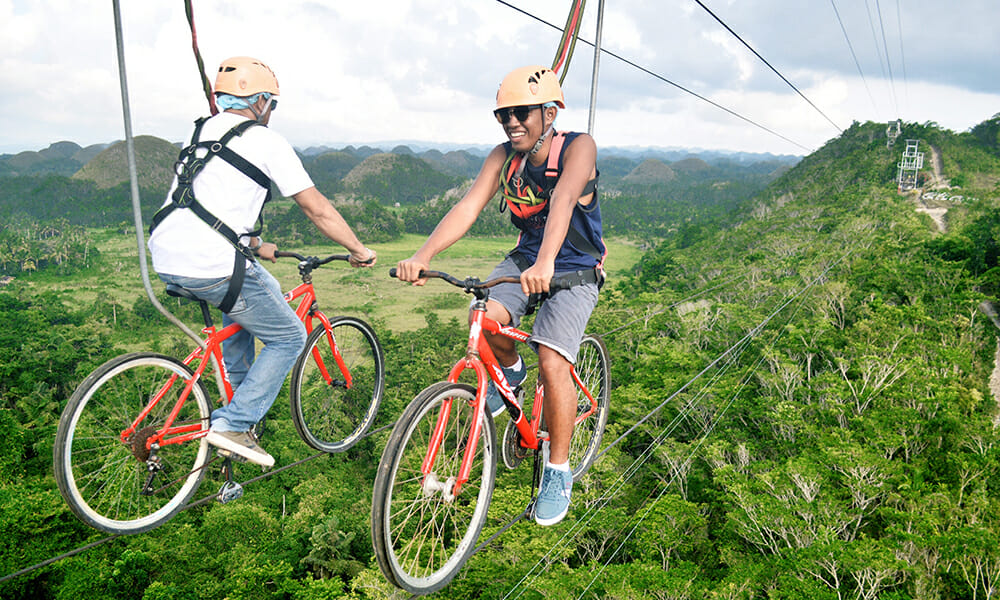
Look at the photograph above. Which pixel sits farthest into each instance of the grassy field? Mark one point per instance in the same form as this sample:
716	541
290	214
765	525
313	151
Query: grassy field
369	293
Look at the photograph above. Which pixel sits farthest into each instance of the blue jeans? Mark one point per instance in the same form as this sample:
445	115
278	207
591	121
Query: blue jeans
262	311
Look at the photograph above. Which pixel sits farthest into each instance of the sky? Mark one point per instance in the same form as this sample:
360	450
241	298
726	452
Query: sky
427	71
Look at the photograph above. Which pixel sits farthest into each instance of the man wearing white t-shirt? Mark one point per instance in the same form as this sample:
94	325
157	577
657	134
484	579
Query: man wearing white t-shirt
224	178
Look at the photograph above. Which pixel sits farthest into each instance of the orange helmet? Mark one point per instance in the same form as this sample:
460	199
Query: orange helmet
243	76
530	85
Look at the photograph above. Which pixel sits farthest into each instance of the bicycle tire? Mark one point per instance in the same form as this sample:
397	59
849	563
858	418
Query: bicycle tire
100	476
329	415
594	370
422	539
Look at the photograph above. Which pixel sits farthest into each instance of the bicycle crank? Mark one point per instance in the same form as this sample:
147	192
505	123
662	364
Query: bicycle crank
512	451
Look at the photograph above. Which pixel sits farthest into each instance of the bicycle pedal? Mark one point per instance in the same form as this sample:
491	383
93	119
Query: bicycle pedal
230	491
230	455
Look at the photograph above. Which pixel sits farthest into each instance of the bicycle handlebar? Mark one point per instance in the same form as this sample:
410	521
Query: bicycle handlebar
472	283
317	261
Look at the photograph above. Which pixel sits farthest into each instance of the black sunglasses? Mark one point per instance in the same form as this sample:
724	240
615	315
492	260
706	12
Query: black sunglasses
274	105
520	112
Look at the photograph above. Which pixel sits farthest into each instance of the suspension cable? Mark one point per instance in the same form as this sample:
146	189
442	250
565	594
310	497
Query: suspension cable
888	61
744	342
853	55
776	72
710	429
189	505
664	79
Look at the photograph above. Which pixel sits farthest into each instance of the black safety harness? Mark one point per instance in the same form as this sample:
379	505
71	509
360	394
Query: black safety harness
522	194
187	168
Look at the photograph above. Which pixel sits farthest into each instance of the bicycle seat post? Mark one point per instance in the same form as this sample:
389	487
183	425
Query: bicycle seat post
178	292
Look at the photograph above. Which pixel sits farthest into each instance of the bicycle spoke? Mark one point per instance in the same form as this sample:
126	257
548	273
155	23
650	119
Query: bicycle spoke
422	532
102	478
330	414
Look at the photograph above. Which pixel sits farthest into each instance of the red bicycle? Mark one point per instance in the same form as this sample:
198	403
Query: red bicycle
130	448
437	472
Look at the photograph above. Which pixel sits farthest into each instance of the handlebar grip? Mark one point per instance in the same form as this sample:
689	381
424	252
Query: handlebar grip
392	272
557	284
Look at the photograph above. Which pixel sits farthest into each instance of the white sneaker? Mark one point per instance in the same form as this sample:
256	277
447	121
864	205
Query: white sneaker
241	443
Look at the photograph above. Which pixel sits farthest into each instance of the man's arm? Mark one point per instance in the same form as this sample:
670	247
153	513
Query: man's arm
329	221
579	163
458	220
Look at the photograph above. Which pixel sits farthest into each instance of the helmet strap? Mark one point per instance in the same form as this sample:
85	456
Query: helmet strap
541	140
267	106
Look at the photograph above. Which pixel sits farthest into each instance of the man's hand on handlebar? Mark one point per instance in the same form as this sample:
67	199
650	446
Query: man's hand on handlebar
536	278
266	251
410	269
365	260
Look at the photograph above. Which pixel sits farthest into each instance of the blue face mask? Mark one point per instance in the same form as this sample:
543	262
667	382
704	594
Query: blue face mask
227	101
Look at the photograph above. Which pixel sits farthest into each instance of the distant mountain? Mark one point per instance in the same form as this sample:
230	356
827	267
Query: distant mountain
398	178
155	158
329	169
60	158
691	164
651	171
455	162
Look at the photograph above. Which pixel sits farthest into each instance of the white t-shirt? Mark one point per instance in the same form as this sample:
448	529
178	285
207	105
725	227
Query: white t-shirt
182	244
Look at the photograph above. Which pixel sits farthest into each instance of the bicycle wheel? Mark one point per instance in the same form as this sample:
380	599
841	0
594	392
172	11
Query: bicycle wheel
422	532
593	368
119	486
334	405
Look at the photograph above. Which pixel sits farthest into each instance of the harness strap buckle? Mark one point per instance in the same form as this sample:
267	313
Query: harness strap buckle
183	196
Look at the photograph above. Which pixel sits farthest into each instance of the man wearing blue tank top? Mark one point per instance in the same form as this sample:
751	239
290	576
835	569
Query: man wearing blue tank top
548	181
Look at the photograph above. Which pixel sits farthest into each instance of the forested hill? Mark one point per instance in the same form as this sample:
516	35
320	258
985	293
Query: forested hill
807	372
845	443
382	193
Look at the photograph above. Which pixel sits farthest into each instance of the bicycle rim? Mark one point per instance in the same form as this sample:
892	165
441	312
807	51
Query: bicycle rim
333	408
101	477
594	372
422	538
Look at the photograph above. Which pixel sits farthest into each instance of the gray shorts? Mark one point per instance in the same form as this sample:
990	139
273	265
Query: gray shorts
561	320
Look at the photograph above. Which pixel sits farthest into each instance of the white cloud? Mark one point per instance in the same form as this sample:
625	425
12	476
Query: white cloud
364	72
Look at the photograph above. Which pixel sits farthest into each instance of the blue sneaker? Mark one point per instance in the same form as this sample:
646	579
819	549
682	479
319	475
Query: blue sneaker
493	400
553	496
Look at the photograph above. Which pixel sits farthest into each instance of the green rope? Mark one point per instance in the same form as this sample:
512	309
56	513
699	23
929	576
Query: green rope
560	64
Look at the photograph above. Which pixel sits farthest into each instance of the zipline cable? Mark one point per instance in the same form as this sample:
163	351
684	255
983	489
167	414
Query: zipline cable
871	25
709	430
902	56
591	512
888	60
675	304
189	505
662	78
614	489
853	55
776	72
54	559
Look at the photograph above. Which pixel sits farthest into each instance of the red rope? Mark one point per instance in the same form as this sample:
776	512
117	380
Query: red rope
206	85
568	42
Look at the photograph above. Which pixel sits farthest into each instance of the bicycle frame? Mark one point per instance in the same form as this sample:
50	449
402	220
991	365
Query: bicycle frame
480	358
306	311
